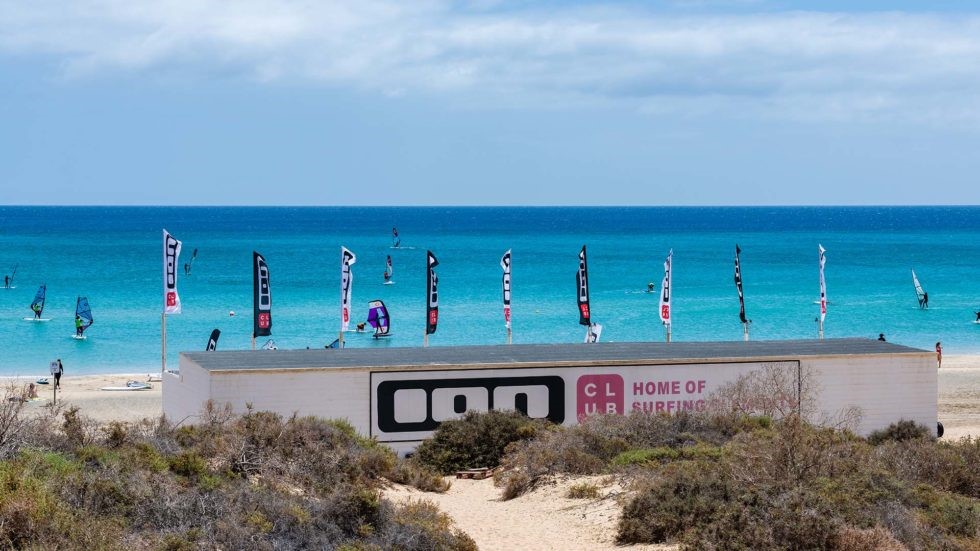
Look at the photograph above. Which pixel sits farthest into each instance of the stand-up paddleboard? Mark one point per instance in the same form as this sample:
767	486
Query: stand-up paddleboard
43	381
131	385
37	319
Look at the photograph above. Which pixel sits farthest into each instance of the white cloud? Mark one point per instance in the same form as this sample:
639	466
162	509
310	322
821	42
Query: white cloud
796	65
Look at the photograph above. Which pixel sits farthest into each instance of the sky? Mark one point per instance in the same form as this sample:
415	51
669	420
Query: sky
489	102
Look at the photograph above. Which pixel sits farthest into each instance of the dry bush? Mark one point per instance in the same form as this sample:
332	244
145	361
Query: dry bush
412	473
583	490
593	446
310	484
856	539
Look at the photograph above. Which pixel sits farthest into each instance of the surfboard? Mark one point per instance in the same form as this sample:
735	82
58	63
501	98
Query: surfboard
11	287
388	283
79	337
37	319
404	248
119	388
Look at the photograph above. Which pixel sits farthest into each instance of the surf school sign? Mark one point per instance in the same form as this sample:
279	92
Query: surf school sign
407	406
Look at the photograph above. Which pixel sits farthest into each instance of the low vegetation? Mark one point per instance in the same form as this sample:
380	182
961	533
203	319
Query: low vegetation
257	481
727	479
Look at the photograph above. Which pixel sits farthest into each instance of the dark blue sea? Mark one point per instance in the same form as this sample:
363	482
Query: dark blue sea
113	257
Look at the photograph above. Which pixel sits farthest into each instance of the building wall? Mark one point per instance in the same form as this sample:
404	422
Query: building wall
886	388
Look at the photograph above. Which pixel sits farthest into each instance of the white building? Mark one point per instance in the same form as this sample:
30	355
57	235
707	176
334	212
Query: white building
399	395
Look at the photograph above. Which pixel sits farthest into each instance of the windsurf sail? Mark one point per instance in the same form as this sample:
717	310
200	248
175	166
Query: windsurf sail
823	282
505	284
261	297
665	290
395	240
432	300
378	318
388	269
213	340
738	285
582	281
347	258
920	294
190	263
595	331
37	306
84	312
171	255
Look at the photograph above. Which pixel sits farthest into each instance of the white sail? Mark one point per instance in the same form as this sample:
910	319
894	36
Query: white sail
920	293
823	283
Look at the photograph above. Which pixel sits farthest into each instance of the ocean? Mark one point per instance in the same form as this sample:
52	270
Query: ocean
113	256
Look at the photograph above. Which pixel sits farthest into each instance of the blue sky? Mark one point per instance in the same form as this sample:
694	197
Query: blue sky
485	102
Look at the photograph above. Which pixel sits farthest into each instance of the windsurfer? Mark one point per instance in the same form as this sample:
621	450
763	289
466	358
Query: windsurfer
650	287
924	301
187	268
6	282
78	326
978	316
36	307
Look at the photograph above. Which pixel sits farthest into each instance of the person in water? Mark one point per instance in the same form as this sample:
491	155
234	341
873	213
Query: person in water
978	316
360	327
939	355
37	311
78	326
924	302
881	337
650	287
187	268
6	282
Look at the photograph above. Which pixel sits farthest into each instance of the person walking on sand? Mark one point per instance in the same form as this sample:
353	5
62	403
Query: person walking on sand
57	374
939	355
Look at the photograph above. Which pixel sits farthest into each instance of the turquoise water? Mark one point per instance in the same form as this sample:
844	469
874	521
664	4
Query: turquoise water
113	256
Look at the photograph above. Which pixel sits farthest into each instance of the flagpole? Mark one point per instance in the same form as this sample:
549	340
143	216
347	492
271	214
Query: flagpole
668	331
509	336
820	330
745	331
425	340
163	341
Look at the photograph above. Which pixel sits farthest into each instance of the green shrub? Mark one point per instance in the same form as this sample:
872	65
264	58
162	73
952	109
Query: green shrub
411	473
899	432
665	455
477	439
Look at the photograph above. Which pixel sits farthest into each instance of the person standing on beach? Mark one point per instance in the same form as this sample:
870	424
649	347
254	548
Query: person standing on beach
939	355
57	374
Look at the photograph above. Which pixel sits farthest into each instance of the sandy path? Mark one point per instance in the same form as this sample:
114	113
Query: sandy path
544	519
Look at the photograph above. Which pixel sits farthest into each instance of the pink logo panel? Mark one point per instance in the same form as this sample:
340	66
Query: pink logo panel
599	394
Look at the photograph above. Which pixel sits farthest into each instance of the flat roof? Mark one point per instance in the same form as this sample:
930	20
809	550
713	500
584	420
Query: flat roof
520	355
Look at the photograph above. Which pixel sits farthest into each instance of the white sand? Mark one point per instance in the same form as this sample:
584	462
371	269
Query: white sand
544	519
101	405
